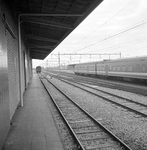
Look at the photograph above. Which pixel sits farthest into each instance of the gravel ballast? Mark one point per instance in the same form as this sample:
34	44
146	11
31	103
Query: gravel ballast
129	127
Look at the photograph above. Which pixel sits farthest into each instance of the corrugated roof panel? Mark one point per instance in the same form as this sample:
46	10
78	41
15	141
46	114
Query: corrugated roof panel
41	30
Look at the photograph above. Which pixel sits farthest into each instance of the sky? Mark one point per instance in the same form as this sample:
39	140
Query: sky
114	27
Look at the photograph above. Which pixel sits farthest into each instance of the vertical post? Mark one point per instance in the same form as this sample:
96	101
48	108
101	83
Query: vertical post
20	63
47	63
59	61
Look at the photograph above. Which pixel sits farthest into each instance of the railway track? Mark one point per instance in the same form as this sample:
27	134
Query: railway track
129	104
118	86
87	132
105	83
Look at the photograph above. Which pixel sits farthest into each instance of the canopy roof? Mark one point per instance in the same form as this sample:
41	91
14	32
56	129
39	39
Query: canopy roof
46	23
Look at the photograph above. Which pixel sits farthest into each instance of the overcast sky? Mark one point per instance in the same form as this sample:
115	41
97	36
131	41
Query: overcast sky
115	26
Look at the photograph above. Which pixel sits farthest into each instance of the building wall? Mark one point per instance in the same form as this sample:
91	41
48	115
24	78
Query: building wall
13	72
9	69
4	88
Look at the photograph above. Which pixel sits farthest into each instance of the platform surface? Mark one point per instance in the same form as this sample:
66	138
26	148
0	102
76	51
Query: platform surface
33	127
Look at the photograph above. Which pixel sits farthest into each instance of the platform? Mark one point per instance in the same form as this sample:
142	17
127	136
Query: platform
33	127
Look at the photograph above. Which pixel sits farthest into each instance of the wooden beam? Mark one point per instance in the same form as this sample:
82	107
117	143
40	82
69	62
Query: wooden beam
47	22
33	46
40	38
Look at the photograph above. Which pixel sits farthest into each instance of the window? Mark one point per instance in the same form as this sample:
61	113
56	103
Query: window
118	68
138	68
123	67
110	67
143	67
130	68
114	68
102	67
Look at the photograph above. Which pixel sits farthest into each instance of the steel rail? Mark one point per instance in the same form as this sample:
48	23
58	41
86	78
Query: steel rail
96	121
129	100
80	146
107	99
136	90
108	84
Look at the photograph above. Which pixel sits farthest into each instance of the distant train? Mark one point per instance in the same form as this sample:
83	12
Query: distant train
125	69
38	69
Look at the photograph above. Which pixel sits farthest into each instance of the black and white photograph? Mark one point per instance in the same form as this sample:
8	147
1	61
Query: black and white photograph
73	75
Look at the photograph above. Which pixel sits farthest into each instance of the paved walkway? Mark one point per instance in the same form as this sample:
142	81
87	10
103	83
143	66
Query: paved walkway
33	127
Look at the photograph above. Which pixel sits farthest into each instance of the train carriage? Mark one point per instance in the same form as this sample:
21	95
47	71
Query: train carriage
101	68
128	68
38	69
133	68
85	68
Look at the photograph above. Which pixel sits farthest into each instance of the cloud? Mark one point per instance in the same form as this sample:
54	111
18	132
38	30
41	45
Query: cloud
109	18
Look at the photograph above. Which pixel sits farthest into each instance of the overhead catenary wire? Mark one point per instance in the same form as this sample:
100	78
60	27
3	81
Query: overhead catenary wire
113	36
106	21
76	55
125	44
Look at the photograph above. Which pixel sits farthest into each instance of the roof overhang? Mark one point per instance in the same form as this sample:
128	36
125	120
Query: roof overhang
46	23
